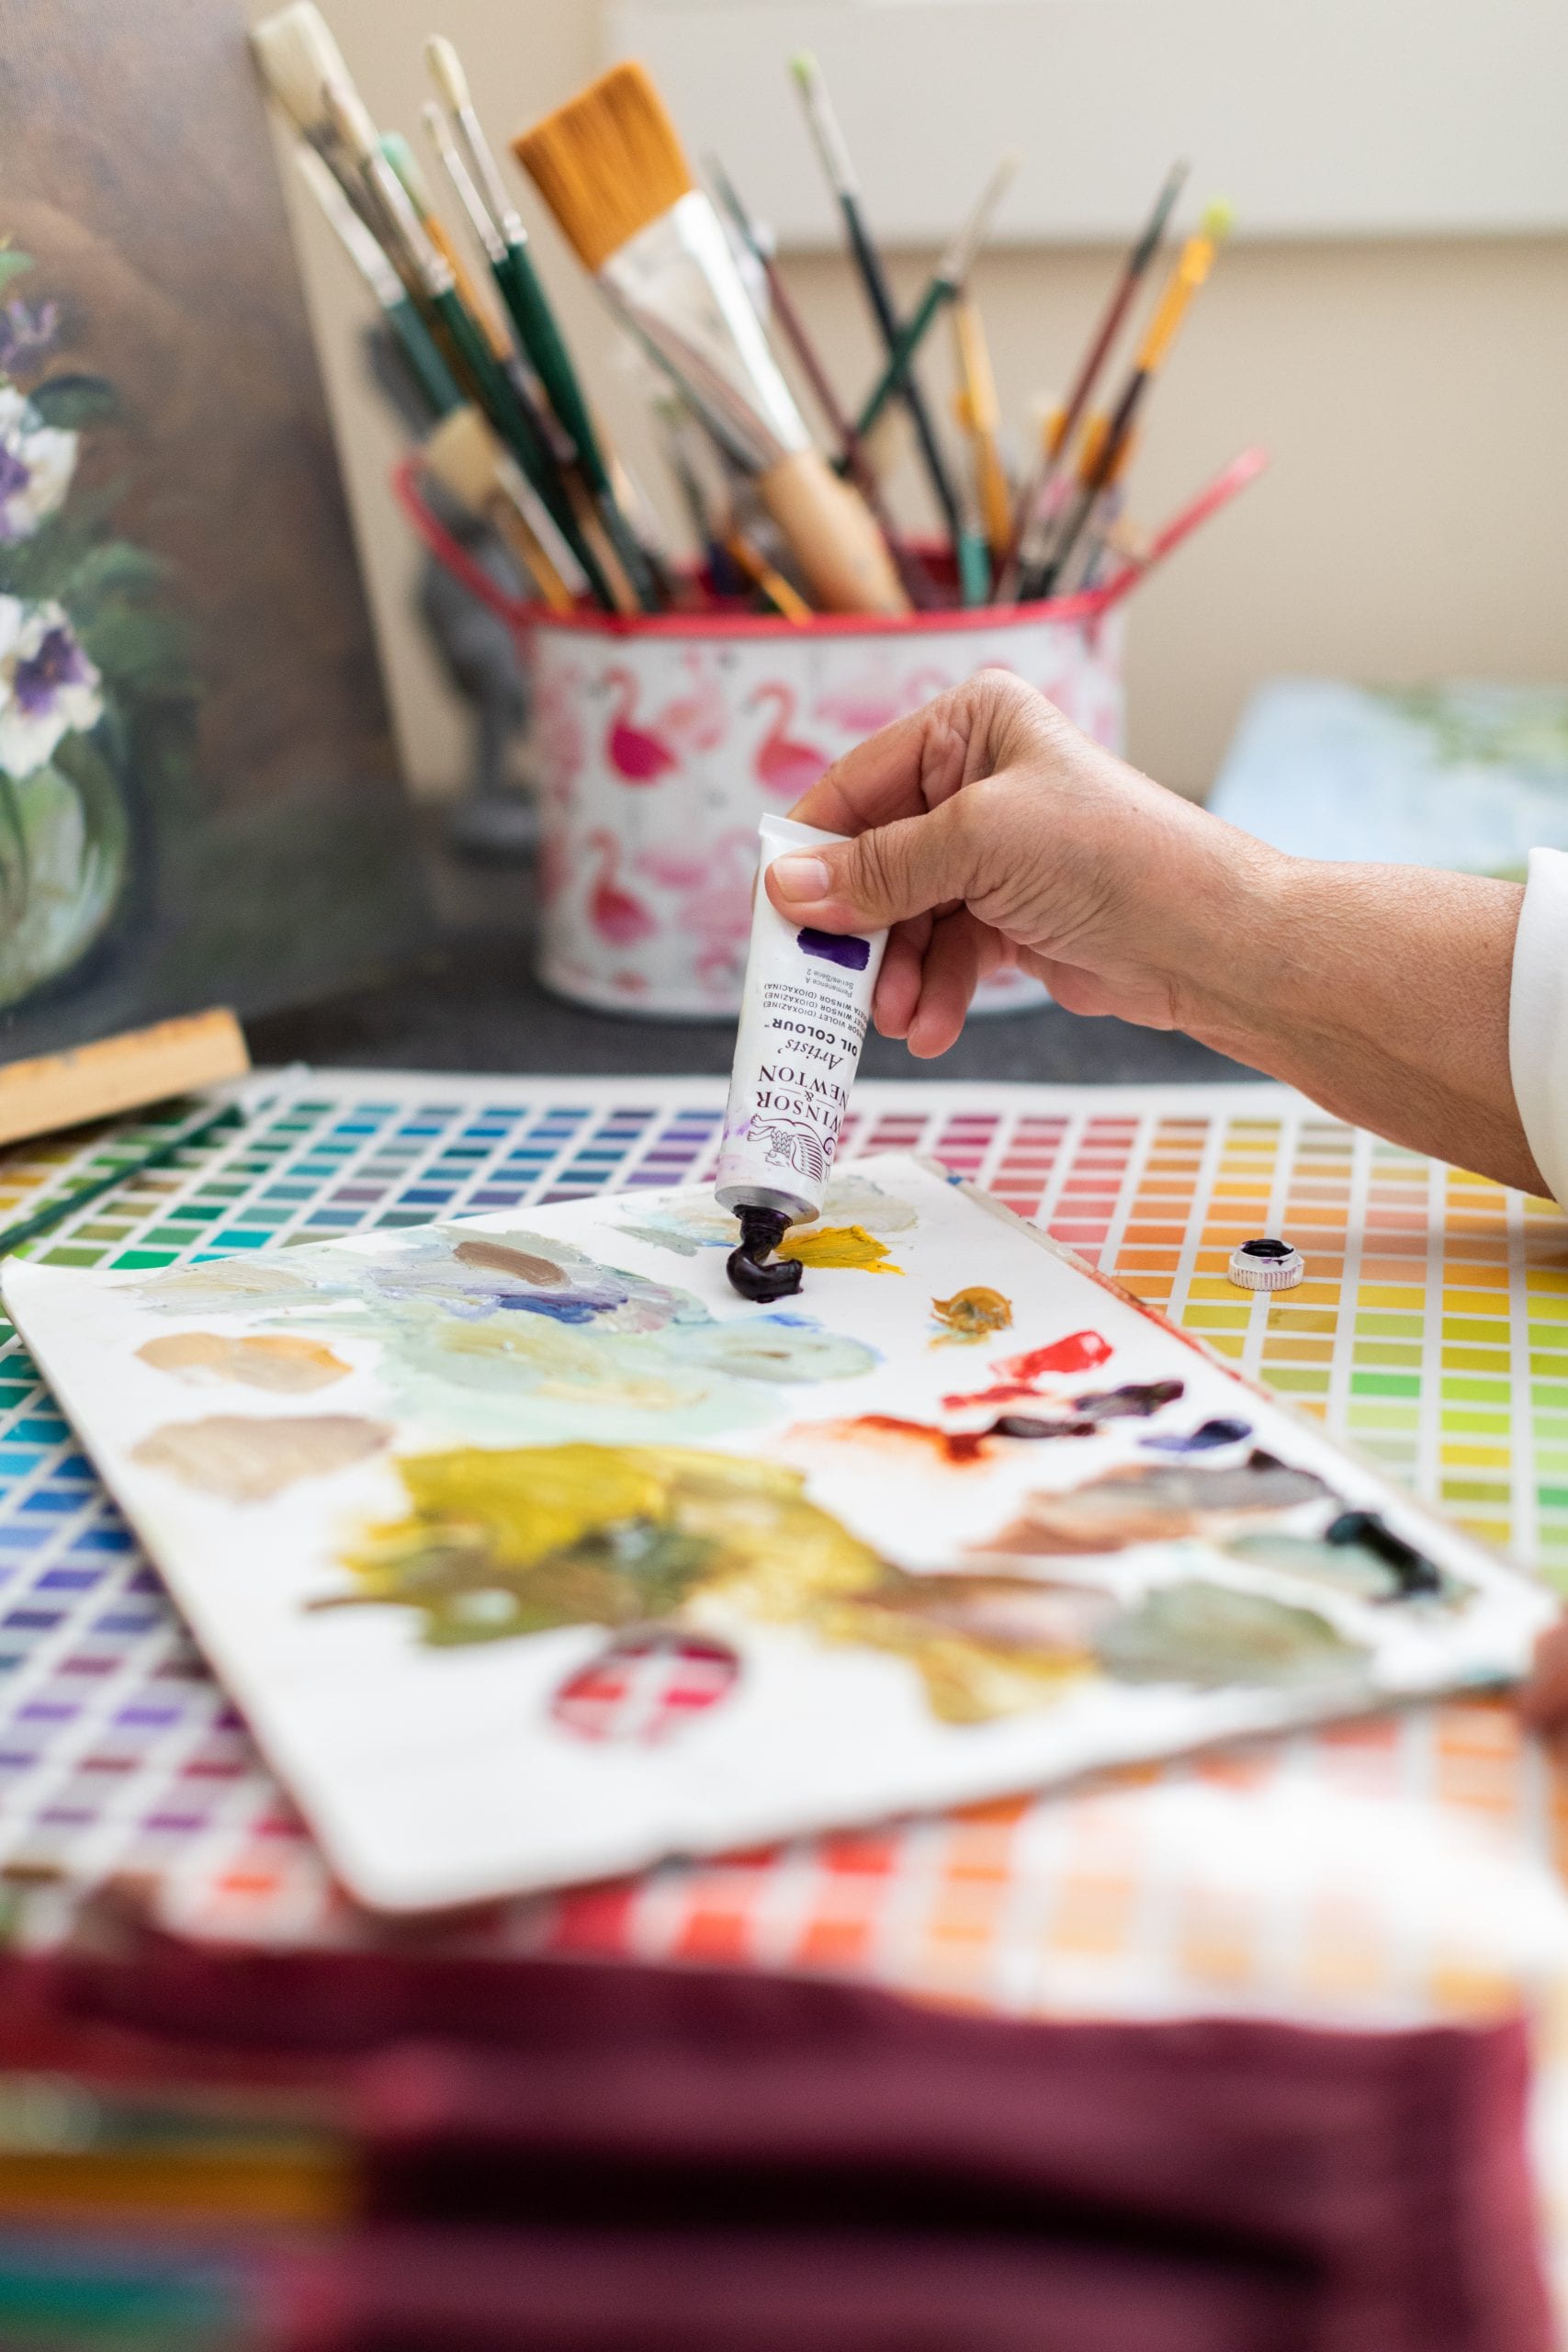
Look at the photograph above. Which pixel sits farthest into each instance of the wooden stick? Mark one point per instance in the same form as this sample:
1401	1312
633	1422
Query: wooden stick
119	1073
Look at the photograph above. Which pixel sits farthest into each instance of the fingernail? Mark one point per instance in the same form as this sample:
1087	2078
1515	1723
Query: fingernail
801	878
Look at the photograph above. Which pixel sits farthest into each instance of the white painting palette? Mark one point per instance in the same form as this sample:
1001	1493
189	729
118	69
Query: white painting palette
532	1554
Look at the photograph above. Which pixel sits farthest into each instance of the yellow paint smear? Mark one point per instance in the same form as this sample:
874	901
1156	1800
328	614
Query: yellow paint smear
846	1245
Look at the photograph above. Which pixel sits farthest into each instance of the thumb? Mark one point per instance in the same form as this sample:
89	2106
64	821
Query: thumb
881	877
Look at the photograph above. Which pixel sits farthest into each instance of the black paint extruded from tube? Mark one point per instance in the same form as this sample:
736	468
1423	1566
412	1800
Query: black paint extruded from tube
762	1230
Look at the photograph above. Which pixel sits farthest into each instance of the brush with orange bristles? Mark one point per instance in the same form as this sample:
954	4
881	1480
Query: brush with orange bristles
611	168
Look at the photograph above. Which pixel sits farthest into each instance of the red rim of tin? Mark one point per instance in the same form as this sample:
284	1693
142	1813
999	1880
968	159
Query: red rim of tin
521	613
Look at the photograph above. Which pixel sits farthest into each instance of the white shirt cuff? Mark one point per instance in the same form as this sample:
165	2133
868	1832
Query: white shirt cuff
1537	1017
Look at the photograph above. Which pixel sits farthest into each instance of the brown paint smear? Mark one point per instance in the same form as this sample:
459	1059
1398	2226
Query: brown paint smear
292	1367
888	1434
247	1459
499	1257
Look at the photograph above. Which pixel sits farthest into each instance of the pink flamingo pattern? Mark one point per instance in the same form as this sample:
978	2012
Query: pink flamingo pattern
784	767
698	720
877	697
616	915
714	911
637	754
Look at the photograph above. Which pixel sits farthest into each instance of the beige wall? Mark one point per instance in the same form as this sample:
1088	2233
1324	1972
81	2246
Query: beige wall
1414	521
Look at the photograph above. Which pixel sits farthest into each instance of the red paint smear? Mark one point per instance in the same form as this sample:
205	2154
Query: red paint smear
1081	1351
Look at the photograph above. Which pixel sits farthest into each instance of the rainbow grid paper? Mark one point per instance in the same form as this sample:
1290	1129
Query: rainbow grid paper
1396	1867
1431	1298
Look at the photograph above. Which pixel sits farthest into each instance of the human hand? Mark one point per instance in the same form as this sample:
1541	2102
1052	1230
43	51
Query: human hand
986	830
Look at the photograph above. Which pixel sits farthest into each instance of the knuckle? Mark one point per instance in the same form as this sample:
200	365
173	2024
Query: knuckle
876	866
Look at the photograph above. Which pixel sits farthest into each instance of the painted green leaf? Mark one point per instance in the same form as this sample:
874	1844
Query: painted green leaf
13	265
72	401
142	651
112	569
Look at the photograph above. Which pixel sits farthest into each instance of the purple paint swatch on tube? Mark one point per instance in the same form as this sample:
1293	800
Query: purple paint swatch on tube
835	947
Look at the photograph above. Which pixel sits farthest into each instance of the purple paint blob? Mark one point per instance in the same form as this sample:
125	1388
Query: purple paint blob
1203	1439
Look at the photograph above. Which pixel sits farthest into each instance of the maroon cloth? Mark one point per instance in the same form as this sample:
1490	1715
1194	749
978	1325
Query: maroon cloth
568	2158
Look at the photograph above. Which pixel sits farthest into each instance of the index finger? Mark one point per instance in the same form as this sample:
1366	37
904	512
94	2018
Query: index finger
903	770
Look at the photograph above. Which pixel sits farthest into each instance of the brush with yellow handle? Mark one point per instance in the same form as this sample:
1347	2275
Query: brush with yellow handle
1193	266
980	417
611	168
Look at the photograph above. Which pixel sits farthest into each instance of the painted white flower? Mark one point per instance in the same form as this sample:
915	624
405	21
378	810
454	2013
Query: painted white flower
47	686
37	461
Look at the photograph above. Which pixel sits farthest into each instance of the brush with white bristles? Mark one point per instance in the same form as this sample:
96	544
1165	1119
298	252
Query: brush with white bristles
305	71
611	168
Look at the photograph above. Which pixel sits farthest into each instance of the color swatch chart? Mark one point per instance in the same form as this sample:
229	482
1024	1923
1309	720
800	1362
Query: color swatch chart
1400	1868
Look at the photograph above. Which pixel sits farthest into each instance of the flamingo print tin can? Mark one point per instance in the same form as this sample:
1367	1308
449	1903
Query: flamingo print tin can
660	744
658	747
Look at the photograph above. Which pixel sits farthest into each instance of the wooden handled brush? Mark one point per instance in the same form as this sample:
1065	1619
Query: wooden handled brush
464	456
611	168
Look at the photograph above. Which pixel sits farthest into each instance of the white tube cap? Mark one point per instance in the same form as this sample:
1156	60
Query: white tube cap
1266	1265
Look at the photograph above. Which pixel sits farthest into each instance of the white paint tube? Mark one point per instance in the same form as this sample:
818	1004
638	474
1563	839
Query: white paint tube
803	1018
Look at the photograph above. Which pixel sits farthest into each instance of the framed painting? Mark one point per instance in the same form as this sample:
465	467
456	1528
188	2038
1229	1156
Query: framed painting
198	798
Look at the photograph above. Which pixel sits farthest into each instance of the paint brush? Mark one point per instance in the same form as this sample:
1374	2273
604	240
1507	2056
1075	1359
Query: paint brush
767	576
611	168
853	456
473	467
980	415
430	372
1034	505
499	226
842	179
942	287
400	156
304	68
1193	266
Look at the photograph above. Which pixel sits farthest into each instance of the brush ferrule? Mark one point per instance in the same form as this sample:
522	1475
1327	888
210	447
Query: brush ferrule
462	183
959	259
678	281
486	172
824	128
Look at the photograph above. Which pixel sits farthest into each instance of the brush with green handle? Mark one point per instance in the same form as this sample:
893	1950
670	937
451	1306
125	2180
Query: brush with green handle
502	400
499	225
944	286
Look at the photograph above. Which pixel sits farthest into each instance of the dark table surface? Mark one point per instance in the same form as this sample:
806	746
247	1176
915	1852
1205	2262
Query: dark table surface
471	1002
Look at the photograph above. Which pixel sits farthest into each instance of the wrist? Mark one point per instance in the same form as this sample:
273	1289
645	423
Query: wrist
1227	905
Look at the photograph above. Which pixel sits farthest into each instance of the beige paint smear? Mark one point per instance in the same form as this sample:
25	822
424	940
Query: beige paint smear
291	1366
247	1459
